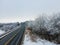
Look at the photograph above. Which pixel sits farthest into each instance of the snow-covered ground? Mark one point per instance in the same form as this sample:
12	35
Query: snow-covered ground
31	40
2	32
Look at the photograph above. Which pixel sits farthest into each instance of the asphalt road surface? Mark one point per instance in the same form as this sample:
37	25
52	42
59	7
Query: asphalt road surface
13	38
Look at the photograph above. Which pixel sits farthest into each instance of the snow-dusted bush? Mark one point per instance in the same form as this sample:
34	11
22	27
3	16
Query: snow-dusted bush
54	24
45	23
39	24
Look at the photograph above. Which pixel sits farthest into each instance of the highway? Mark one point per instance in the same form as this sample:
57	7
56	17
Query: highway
13	38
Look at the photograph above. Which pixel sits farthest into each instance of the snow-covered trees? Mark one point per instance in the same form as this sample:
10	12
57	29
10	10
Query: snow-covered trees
54	24
45	23
39	25
8	26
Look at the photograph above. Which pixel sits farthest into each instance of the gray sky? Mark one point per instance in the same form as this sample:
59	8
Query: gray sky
22	10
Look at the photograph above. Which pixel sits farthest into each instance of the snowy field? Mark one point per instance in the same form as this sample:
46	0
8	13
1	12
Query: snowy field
30	40
2	32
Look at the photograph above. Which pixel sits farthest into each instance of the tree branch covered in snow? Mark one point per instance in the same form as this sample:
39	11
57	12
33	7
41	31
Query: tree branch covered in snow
47	25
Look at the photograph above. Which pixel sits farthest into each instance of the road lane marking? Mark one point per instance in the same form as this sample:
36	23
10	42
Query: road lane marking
10	40
9	32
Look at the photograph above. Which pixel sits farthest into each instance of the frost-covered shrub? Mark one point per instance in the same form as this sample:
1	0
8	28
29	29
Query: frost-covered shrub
44	23
47	25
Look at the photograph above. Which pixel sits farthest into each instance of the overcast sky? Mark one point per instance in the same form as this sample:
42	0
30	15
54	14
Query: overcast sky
21	10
